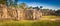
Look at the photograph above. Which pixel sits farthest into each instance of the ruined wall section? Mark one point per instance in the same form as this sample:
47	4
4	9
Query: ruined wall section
1	11
19	14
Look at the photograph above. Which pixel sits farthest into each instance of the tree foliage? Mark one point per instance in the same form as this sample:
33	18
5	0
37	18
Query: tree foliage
57	12
3	1
9	2
23	5
13	2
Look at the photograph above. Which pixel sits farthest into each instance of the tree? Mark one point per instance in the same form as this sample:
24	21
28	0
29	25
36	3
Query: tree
23	6
3	2
57	12
11	3
41	6
15	2
36	8
30	7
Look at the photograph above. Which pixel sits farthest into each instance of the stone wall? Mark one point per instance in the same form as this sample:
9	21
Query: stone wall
19	14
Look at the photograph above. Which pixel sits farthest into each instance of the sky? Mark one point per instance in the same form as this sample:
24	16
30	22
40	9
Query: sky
51	4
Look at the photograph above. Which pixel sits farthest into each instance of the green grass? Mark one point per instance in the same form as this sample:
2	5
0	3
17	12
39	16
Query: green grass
31	22
51	16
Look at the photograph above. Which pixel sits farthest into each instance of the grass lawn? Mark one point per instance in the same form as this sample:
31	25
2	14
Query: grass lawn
49	17
31	22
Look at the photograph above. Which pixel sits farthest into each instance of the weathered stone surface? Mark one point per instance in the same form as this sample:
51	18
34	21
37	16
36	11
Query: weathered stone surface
19	14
